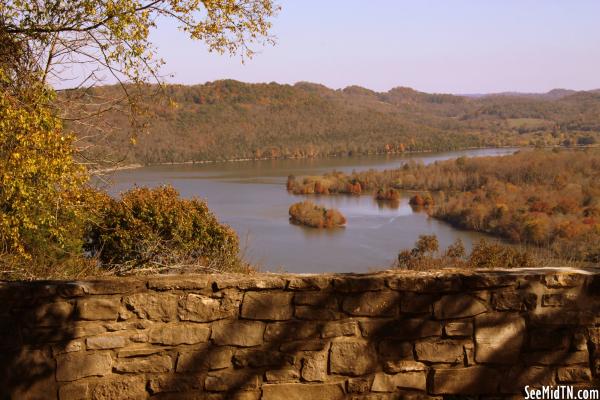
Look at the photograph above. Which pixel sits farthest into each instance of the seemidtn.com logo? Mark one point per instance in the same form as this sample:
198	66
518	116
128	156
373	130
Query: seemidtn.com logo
560	392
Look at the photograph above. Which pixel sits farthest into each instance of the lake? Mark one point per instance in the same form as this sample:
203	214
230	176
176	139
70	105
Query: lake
251	197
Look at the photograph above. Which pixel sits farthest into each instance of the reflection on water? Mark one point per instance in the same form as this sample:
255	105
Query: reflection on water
251	197
391	204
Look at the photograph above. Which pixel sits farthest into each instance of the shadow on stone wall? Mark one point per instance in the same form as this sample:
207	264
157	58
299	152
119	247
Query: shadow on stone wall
291	337
430	337
36	325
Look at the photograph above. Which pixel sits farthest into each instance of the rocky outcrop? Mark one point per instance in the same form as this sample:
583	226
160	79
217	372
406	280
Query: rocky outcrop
374	336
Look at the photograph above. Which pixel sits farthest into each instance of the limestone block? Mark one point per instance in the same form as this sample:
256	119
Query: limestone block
177	282
282	375
394	367
358	283
358	385
68	347
303	391
521	375
98	308
595	336
238	333
257	358
74	391
559	300
381	303
198	308
549	339
459	328
291	330
226	380
51	314
562	280
139	337
317	313
579	341
401	328
312	282
574	374
417	303
304	345
470	380
314	367
120	388
81	329
196	360
220	357
499	338
488	279
139	352
440	350
154	364
352	358
178	384
178	333
114	285
557	316
128	325
556	357
73	366
458	306
427	283
469	353
513	300
272	306
390	383
395	350
27	374
153	306
339	328
106	342
321	299
244	282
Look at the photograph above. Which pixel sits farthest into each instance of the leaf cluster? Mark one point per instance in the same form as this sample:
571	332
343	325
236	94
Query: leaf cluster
156	227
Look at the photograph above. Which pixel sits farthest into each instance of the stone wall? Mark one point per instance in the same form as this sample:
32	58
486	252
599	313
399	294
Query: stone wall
377	336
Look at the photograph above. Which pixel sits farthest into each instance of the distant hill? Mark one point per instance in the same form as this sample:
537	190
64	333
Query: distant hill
554	94
233	120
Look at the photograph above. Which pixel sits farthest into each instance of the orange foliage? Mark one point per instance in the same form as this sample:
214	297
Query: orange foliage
309	214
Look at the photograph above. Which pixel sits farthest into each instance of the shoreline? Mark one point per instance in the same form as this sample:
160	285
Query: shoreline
201	162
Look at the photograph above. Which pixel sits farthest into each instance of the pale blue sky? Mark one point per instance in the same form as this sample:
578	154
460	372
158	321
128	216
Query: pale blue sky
455	46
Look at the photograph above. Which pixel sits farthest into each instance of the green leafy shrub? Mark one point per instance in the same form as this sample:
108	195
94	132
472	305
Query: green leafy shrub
156	227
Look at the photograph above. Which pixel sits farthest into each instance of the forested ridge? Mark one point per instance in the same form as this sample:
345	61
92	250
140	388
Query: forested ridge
227	119
545	198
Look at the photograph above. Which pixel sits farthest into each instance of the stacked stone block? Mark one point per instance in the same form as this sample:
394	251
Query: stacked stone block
388	335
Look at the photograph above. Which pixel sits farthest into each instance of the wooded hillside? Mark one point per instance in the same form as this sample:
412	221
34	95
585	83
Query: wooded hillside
231	120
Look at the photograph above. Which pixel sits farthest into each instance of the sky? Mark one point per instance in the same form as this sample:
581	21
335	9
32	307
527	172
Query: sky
443	46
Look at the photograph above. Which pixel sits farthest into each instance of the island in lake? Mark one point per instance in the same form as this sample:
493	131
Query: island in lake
309	214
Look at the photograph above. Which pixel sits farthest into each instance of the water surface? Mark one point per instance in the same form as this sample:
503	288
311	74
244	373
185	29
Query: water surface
251	197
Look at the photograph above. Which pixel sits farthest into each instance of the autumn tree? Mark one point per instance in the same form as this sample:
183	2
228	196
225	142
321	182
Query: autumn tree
44	44
80	44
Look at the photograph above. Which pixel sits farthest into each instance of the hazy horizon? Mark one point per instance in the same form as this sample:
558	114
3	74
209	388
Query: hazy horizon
378	91
460	47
